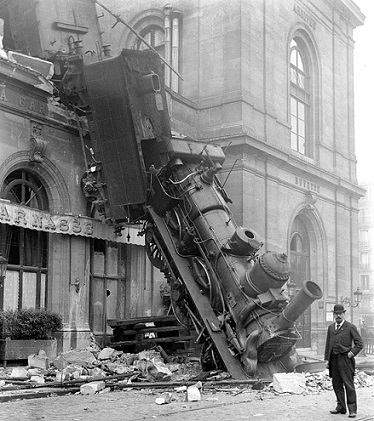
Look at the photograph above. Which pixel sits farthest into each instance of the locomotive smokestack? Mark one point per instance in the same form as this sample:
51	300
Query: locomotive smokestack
309	292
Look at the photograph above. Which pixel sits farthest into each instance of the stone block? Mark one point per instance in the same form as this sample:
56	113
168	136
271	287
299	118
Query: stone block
92	388
60	362
289	383
193	394
79	357
18	372
106	354
39	360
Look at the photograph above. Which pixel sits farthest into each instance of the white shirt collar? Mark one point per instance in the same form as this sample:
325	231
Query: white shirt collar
340	324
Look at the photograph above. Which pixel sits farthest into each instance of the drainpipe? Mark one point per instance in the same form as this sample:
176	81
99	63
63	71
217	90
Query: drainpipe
175	50
167	12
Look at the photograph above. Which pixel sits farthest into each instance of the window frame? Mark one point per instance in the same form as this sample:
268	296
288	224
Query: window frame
300	96
26	249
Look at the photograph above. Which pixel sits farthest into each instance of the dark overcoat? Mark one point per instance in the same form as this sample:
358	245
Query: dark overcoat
346	339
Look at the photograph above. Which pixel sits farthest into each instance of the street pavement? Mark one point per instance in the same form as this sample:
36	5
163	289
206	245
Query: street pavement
228	402
215	404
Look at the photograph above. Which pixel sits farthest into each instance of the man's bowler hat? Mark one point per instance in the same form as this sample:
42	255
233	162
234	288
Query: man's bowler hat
338	308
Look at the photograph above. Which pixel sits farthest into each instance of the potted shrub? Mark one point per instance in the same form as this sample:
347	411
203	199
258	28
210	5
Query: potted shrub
27	331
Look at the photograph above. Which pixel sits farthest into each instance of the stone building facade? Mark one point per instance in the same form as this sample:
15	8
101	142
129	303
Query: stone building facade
366	254
269	81
272	83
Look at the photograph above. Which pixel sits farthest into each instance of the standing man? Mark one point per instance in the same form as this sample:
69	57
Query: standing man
343	343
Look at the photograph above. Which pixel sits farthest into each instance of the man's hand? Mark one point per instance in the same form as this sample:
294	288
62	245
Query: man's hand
351	354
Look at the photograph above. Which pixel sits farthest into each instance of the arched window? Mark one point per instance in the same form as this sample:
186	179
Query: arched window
154	35
300	97
25	285
162	30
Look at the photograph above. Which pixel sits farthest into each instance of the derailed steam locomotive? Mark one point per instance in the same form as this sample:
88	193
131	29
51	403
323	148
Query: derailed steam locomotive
220	282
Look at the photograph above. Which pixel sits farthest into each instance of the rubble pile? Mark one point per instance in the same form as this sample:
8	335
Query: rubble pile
91	365
95	370
305	383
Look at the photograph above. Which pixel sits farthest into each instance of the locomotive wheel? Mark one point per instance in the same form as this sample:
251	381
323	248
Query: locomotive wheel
207	284
180	304
173	221
153	252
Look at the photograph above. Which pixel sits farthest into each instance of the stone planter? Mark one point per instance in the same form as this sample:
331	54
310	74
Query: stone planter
20	349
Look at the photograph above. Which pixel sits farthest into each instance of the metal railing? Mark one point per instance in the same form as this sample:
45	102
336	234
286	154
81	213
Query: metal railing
368	346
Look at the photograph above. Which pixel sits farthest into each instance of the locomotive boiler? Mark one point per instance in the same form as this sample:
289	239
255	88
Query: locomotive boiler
221	283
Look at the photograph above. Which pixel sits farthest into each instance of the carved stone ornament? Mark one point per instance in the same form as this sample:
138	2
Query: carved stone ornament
310	200
38	144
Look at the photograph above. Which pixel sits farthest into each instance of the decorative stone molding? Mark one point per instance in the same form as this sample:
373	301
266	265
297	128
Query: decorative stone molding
38	144
310	200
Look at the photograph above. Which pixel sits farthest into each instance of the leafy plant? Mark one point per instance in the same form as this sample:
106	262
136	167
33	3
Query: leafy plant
29	324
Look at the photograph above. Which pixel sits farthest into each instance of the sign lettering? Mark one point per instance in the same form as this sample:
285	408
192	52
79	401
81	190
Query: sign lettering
21	101
307	184
25	217
305	16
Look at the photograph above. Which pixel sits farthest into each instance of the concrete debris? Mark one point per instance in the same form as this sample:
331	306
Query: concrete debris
79	357
60	362
94	370
193	394
92	388
106	354
39	360
165	398
18	373
316	382
289	383
37	379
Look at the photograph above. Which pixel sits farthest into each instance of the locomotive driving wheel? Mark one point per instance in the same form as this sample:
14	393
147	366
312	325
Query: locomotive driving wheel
182	305
174	223
153	252
207	283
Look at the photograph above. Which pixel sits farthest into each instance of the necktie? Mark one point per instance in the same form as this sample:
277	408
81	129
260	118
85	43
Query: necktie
337	326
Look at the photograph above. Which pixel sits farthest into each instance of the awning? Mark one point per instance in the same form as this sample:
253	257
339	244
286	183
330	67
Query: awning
23	216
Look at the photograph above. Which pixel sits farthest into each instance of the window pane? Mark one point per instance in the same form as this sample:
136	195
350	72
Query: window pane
294	141
301	128
43	284
31	248
301	81
159	37
293	106
98	263
301	110
112	260
364	258
11	290
294	124
301	145
293	56
300	64
29	290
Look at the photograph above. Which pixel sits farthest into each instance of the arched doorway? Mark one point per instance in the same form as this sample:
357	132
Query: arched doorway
300	271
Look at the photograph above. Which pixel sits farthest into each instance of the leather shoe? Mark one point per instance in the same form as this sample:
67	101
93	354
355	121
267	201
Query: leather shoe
336	411
352	415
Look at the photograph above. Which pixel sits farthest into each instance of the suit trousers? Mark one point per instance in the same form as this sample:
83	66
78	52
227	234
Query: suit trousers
342	375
